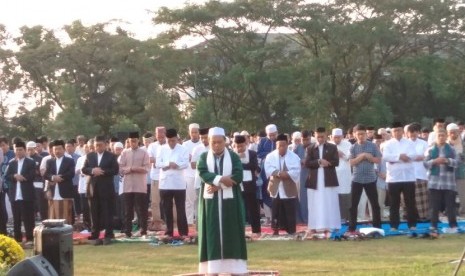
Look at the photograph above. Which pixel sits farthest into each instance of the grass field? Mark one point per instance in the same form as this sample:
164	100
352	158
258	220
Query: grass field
390	256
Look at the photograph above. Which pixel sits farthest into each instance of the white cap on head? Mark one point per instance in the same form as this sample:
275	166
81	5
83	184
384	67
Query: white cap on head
236	134
245	133
452	126
297	135
406	128
271	128
216	131
382	131
194	125
337	132
31	144
118	145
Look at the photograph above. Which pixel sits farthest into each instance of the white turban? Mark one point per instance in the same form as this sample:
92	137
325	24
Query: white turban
245	133
271	128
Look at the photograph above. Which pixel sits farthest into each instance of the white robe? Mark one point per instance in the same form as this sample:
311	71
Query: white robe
343	171
323	204
273	163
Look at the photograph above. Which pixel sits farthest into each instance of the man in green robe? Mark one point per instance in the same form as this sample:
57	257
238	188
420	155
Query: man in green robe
222	247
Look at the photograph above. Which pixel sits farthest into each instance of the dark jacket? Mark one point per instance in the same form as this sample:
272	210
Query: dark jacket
330	154
251	186
38	159
101	186
27	187
66	171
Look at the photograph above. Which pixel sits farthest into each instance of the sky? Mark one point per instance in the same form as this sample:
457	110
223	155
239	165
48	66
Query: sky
54	14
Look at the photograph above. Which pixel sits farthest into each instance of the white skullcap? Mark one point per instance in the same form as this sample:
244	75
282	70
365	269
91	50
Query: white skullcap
452	126
382	131
388	130
245	133
194	125
118	145
406	128
31	144
271	128
216	131
337	132
236	134
297	135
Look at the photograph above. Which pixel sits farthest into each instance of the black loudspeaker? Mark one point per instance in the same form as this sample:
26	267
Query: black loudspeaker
35	266
54	240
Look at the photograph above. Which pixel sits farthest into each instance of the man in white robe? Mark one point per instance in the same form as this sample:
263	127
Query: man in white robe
189	173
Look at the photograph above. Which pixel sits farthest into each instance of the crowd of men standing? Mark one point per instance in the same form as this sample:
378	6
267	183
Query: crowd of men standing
320	178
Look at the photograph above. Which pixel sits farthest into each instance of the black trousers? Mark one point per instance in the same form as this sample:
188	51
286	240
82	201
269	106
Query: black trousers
252	210
41	203
137	202
372	194
3	214
283	214
23	211
101	215
77	201
436	197
408	190
179	197
85	210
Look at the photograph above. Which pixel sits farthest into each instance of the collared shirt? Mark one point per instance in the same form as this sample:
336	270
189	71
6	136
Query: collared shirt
445	180
172	179
364	172
420	148
19	193
99	158
396	169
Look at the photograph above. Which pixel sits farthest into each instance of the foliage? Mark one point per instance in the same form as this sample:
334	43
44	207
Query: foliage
10	251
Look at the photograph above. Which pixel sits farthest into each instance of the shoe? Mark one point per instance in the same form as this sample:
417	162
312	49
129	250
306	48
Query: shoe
107	241
96	242
128	235
28	245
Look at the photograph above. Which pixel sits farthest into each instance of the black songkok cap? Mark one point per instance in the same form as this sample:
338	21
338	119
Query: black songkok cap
59	143
203	131
20	144
114	139
281	137
370	128
397	124
134	134
170	133
439	120
320	130
239	139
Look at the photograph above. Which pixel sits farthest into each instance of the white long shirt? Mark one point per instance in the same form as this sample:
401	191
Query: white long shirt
396	169
343	171
82	186
152	151
421	146
172	179
189	145
19	192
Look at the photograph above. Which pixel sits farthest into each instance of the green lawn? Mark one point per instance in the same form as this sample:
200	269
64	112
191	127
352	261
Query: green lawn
390	256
